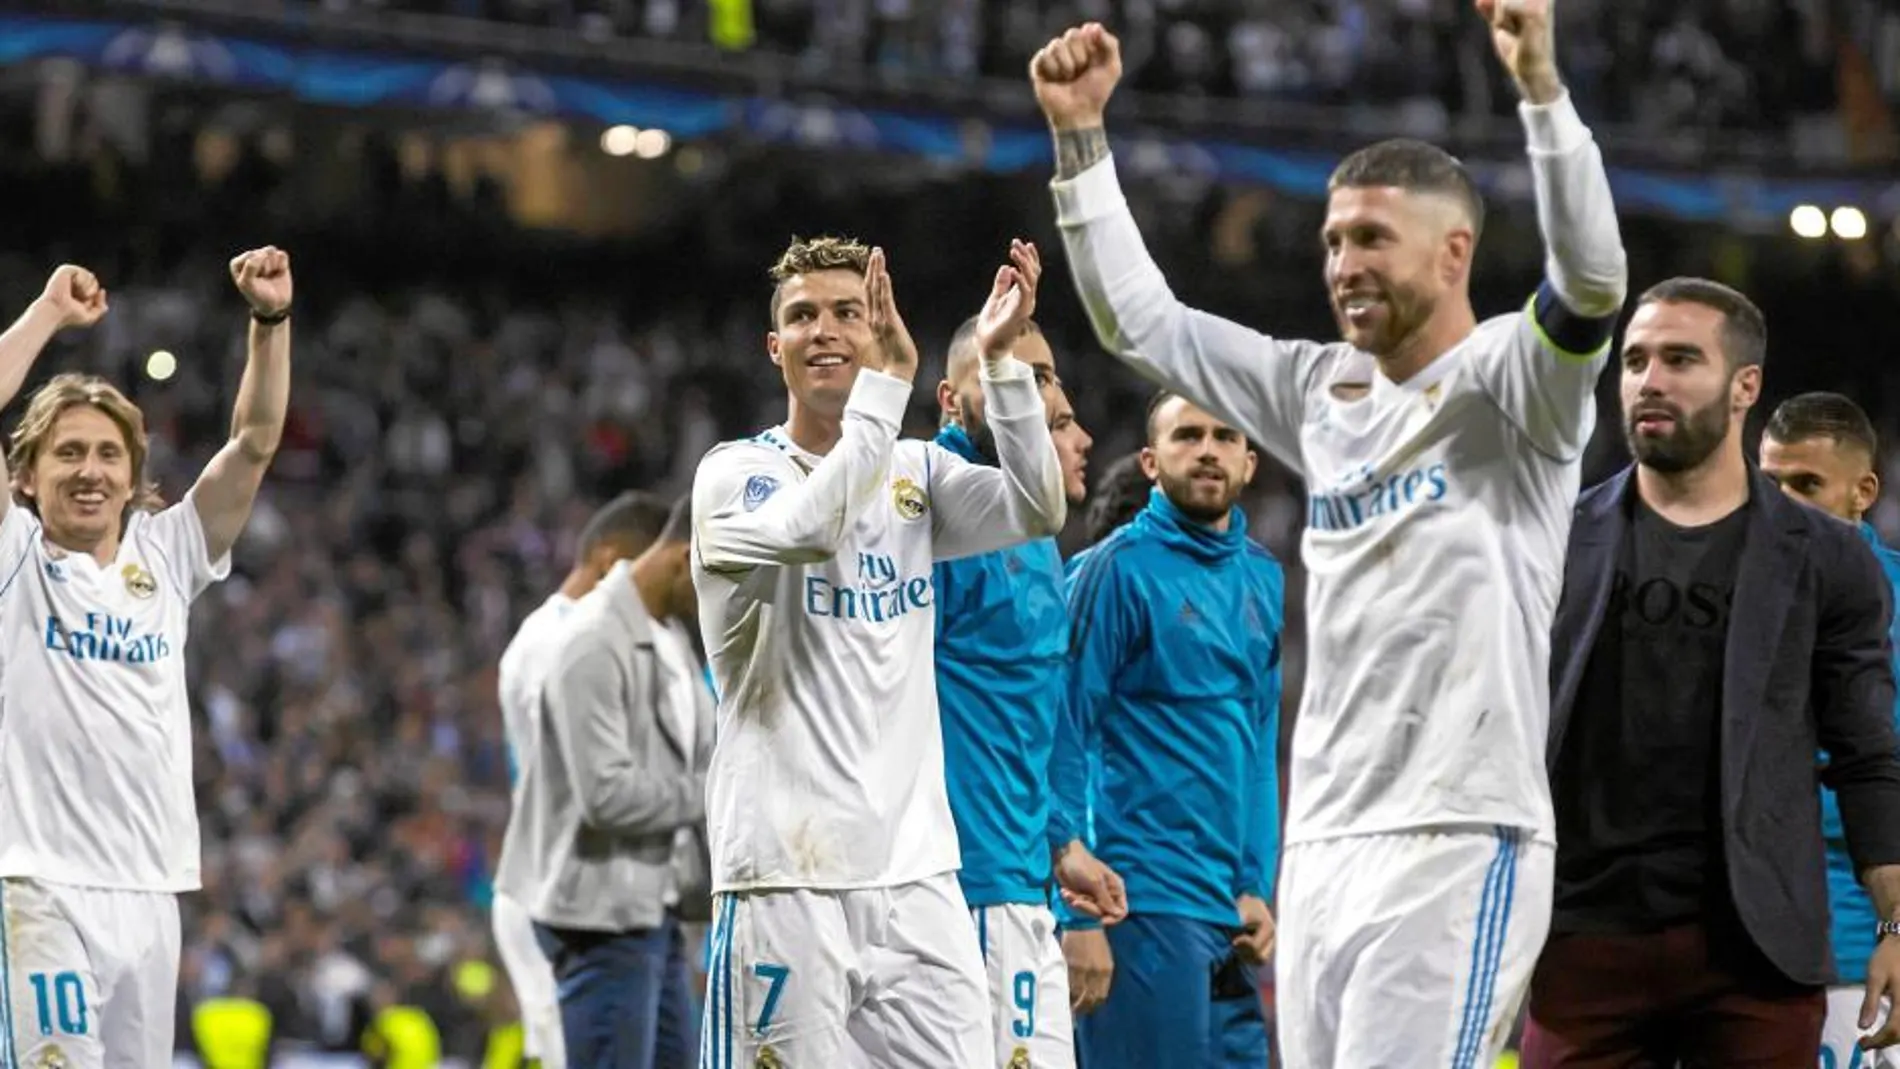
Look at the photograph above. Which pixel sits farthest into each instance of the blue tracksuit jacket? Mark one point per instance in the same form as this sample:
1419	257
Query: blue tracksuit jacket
1002	633
1174	685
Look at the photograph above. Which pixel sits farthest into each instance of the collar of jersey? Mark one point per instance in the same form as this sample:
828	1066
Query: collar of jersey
1174	528
780	438
1430	375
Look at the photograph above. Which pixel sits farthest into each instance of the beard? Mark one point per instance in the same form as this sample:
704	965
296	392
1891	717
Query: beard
1689	442
1405	312
1194	500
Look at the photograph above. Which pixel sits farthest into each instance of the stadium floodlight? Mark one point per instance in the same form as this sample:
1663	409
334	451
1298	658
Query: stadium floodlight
1850	223
1808	221
160	365
620	140
651	144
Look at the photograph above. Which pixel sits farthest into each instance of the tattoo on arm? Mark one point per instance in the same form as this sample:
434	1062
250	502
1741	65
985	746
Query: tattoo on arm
1078	150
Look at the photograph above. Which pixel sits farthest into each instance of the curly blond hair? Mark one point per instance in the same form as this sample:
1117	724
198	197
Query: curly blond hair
823	253
67	390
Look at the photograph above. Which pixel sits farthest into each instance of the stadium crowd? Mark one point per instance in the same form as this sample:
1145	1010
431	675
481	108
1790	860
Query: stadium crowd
458	411
1714	63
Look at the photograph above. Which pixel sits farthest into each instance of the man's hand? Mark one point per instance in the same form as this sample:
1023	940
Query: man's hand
1011	304
1883	984
1255	942
1090	887
894	344
1074	74
75	294
1091	967
263	277
1523	33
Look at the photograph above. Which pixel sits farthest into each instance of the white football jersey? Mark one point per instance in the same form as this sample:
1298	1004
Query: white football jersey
95	727
1438	510
819	617
524	662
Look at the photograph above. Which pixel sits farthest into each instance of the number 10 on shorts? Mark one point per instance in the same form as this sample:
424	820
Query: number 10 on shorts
61	999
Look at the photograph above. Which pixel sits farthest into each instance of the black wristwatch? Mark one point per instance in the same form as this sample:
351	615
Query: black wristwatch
1883	929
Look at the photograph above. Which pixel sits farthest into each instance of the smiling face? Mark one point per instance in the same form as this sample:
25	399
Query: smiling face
81	478
1392	257
822	332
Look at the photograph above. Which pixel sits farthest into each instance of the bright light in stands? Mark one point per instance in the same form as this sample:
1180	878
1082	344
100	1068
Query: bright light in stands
160	365
652	144
1850	224
620	140
1808	221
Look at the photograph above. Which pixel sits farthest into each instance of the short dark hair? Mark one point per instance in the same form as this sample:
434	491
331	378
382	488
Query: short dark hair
963	343
1414	166
629	522
823	253
1744	328
679	521
1823	415
1123	492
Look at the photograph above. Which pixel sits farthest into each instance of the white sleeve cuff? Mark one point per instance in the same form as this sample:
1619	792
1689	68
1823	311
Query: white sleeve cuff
881	397
1011	392
1090	195
1554	128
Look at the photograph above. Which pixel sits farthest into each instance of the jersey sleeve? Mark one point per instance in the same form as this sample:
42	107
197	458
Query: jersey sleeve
752	508
976	508
1544	374
1254	382
185	556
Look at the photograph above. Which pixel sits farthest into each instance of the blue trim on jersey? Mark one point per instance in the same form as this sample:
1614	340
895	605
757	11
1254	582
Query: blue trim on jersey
1579	336
983	930
8	1059
1487	950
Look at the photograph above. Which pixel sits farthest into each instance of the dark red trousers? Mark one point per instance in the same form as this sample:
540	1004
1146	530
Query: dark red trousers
1669	998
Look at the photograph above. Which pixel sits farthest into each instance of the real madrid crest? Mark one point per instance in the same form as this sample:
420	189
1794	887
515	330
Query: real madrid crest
909	499
767	1059
1019	1058
139	582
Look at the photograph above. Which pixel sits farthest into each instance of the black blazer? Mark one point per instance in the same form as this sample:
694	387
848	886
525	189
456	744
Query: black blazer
1806	668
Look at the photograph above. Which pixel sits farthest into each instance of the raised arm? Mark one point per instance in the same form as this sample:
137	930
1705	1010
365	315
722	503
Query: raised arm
1546	383
227	488
1252	381
979	508
753	507
72	298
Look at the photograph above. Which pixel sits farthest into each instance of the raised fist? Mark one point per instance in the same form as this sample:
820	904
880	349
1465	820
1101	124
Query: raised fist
1522	32
1074	74
263	277
75	293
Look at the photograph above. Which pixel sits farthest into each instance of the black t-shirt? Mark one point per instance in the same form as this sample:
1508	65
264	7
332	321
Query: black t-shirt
1639	785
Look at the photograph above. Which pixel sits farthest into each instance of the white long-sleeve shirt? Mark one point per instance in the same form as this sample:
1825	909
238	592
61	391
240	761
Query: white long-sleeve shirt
819	619
1438	509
